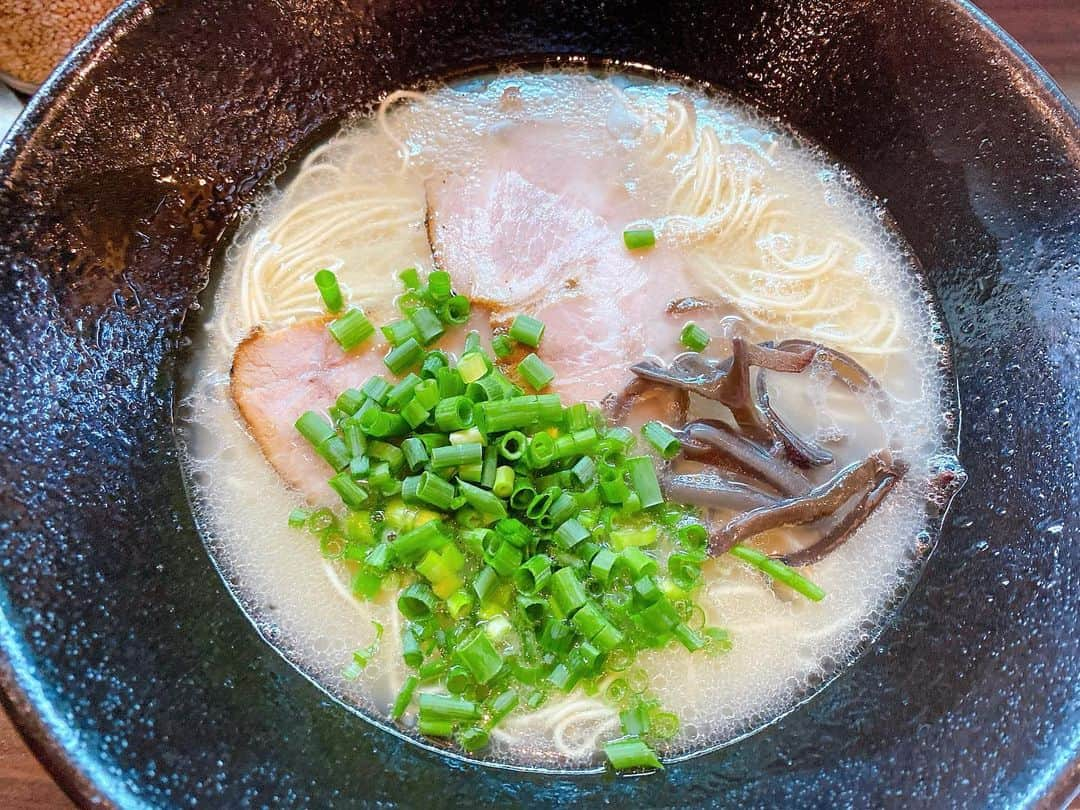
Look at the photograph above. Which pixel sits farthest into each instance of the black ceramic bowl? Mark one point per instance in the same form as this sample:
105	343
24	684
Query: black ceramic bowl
126	663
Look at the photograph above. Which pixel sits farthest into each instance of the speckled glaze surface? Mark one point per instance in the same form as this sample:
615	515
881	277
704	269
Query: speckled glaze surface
125	660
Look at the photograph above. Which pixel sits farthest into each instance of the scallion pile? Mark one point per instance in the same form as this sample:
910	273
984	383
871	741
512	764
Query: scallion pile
518	534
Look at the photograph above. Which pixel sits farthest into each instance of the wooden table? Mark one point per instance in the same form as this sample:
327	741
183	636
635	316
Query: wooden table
1049	29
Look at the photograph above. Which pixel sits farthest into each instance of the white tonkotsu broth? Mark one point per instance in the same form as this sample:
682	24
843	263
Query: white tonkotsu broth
748	216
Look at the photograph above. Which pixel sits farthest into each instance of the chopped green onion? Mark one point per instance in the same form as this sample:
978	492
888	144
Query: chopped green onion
609	638
402	392
512	445
490	467
577	417
527	330
456	455
625	538
541	451
504	482
404	356
382	424
501	706
636	239
533	574
536	373
693	536
563	507
353	495
694	337
397	332
638	562
778	571
504	558
433	490
485	582
685	569
557	636
556	586
666	444
447	707
410	277
502	345
433	361
351	329
427	392
717	640
472	473
630	752
414	414
376	388
435	727
523	495
612	486
467	436
409	301
635	720
481	500
570	533
417	601
414	543
665	725
659	617
404	697
688	637
602	564
427	325
563	678
516	413
584	471
334	452
449	382
459	604
589	620
474	738
439	285
622	436
455	311
567	591
478	655
431	670
314	428
643	480
350	400
411	651
541	503
577	443
298	517
473	366
327	283
487	387
454	413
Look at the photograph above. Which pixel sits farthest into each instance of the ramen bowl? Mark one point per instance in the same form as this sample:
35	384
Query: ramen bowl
127	664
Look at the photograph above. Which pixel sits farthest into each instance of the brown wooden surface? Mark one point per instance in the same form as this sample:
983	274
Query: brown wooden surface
1048	29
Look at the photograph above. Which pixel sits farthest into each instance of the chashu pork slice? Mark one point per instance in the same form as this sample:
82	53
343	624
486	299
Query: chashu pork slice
279	374
537	228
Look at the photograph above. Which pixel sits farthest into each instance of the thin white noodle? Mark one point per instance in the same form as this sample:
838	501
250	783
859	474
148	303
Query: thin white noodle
602	719
719	201
384	123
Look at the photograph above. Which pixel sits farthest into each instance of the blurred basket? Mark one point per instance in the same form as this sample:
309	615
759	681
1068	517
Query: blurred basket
36	34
